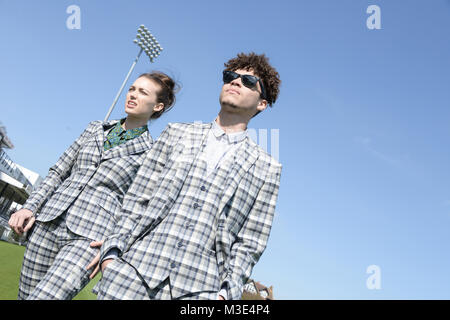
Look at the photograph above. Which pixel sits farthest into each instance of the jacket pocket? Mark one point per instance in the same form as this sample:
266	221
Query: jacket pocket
111	205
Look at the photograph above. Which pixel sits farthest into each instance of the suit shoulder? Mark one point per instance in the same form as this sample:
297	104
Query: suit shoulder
185	125
177	125
94	124
182	127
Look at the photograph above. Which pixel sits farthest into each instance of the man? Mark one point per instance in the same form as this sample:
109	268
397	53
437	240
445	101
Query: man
199	212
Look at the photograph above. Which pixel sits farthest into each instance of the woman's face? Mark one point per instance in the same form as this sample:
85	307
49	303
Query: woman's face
141	99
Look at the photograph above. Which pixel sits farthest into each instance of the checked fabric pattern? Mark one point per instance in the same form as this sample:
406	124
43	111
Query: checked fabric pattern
80	200
200	231
89	183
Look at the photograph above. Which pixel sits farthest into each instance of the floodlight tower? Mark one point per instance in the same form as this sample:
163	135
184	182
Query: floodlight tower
148	44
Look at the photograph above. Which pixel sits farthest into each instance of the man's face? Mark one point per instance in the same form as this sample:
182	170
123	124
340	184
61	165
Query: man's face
237	98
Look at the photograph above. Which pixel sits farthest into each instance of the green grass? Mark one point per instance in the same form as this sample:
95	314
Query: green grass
11	256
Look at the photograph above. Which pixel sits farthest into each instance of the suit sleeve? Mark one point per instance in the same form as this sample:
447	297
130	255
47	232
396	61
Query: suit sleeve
57	173
251	240
132	219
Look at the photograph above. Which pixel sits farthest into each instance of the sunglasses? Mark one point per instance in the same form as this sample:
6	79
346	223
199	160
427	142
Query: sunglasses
247	80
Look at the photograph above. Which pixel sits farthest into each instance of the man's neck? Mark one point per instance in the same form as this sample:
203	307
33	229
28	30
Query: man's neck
230	122
133	123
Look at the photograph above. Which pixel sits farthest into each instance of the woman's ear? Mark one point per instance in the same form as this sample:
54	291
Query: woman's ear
158	107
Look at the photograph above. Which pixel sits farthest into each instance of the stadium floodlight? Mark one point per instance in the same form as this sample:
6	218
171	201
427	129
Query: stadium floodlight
148	44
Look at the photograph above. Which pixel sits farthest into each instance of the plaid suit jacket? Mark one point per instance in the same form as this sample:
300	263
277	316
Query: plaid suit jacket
244	219
89	183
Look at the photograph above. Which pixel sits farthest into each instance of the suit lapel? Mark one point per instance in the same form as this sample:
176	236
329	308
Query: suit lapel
101	133
245	158
199	137
193	142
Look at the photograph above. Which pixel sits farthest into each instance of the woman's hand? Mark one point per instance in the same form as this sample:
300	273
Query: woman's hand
21	218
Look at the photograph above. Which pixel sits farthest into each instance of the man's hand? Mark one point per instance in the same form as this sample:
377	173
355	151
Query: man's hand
21	218
221	298
105	263
95	261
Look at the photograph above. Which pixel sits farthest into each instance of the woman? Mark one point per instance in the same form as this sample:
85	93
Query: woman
80	199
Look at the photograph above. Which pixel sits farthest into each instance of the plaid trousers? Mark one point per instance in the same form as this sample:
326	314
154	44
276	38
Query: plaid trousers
119	271
54	264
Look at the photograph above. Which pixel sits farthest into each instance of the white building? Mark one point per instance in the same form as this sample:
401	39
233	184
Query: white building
16	185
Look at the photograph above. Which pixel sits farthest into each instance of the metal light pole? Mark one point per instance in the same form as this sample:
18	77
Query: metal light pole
147	42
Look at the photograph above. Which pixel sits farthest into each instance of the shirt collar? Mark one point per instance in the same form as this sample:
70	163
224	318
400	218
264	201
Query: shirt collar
234	137
130	132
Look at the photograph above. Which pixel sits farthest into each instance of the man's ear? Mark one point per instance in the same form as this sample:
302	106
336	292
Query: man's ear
262	105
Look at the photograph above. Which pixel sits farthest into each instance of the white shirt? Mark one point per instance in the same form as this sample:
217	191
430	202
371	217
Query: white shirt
220	146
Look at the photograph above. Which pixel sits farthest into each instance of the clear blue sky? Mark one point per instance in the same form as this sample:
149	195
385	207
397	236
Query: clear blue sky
363	117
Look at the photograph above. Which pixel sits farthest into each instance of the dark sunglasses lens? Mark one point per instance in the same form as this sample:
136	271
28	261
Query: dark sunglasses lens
229	76
249	81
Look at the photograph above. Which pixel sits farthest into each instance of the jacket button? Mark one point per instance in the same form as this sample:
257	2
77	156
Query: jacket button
203	188
180	244
173	265
80	188
196	205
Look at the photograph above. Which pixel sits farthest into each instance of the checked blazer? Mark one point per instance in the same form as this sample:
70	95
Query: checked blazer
200	247
89	183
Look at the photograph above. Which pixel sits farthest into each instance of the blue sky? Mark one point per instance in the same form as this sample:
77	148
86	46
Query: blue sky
363	119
